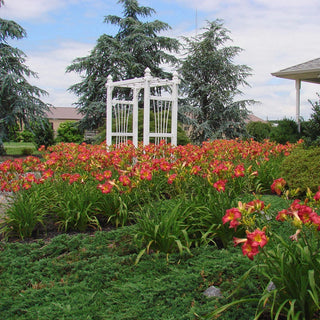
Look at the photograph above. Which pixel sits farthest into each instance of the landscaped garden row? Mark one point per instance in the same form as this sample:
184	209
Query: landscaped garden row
179	201
82	185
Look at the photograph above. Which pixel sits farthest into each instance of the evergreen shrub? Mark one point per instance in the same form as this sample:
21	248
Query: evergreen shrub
301	169
259	130
68	131
26	136
43	133
285	131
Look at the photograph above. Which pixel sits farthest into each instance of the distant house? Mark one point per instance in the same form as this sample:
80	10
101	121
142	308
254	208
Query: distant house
253	118
62	114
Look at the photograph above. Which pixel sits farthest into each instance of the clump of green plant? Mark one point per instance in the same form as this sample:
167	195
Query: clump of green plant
43	133
301	169
289	263
162	227
311	128
26	136
268	170
26	212
285	131
259	130
75	206
85	274
69	131
207	208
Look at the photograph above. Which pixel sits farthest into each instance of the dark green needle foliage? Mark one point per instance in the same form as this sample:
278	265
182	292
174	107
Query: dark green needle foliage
20	101
136	46
210	84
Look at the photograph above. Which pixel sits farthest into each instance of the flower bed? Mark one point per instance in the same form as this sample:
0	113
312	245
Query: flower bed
178	198
87	184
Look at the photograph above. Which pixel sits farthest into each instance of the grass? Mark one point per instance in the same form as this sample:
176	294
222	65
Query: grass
94	276
17	148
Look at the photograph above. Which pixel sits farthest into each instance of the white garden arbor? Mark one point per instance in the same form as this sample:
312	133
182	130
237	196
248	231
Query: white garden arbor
160	96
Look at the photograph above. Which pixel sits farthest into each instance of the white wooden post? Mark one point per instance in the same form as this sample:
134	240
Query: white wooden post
174	112
109	112
135	116
298	87
146	107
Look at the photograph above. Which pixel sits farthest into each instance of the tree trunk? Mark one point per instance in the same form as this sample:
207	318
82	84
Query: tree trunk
2	151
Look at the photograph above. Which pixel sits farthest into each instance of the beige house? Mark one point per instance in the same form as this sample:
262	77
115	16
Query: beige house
62	114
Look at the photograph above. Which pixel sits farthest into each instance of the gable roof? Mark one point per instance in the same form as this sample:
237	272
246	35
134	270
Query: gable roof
307	71
63	113
252	118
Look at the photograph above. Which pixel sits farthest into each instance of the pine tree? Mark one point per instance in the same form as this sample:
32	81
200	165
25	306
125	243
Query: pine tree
126	55
210	84
19	100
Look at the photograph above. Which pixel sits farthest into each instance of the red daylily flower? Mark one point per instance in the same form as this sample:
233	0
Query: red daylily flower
145	174
317	195
172	178
165	166
255	205
233	216
47	174
239	171
195	170
249	250
74	177
125	180
100	177
220	185
257	238
278	185
107	174
105	188
282	215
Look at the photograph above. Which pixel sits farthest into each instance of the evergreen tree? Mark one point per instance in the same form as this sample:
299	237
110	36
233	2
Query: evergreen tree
210	83
126	55
19	100
311	128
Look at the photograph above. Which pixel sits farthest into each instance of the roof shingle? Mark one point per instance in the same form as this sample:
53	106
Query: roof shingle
63	113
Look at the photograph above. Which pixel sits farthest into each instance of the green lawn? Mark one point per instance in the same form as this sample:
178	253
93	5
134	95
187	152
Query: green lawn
18	148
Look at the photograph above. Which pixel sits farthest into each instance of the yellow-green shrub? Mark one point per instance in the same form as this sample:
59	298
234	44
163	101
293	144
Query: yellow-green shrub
301	169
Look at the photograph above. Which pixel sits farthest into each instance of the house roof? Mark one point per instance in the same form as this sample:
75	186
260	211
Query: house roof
63	113
307	71
253	118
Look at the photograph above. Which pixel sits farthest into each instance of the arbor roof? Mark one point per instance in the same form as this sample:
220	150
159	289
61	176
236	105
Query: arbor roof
307	71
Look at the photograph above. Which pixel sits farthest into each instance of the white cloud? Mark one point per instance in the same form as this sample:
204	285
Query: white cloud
51	66
31	9
26	9
274	34
217	5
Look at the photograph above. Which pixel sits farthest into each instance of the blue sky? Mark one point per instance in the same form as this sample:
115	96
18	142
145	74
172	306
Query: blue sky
274	34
